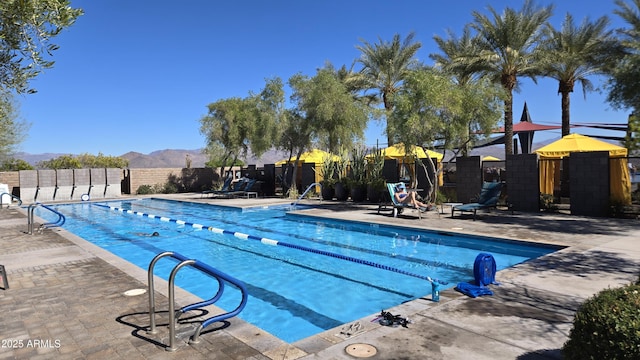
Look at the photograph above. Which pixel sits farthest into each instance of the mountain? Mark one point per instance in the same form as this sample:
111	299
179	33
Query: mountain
168	158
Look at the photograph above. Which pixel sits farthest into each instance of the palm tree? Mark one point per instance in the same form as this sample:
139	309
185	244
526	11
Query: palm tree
385	65
509	48
574	53
454	48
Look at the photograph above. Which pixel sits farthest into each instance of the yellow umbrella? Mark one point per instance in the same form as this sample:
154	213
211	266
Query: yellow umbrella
313	156
398	151
578	143
490	158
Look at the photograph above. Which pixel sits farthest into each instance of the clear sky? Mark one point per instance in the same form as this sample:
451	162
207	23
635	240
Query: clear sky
138	75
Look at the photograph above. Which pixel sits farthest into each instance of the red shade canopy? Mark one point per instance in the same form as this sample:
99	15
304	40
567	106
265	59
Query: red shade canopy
525	126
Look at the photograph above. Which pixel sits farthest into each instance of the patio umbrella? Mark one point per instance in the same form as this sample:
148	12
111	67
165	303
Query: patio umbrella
490	158
313	156
397	151
578	143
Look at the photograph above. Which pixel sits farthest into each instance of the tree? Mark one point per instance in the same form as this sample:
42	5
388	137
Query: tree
454	48
225	127
574	53
13	130
26	31
385	65
84	161
624	82
508	49
431	107
237	125
324	113
15	165
464	73
337	117
265	124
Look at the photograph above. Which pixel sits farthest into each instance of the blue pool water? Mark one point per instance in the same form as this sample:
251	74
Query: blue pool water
293	294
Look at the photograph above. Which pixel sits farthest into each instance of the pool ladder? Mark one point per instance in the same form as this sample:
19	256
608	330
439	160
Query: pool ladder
30	221
293	205
173	314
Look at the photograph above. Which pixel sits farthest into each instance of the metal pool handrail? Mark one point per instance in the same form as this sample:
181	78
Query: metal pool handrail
12	197
218	275
59	222
293	205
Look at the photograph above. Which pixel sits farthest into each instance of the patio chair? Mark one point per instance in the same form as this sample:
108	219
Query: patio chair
225	187
247	190
488	199
397	207
237	188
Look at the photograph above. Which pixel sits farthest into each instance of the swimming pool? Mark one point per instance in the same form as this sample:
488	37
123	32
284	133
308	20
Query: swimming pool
293	294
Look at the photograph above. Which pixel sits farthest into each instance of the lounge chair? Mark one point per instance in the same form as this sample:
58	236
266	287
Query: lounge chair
488	199
225	187
247	190
237	188
397	207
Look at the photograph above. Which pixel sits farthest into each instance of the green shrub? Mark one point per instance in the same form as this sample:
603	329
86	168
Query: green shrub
607	326
145	190
169	188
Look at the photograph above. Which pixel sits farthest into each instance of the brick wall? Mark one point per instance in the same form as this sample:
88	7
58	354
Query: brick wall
192	179
11	178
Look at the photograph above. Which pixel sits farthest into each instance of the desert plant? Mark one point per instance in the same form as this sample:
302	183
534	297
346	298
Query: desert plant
293	193
145	190
606	326
546	203
358	167
328	170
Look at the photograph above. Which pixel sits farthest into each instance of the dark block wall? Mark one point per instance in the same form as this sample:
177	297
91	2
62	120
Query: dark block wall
468	178
523	188
589	175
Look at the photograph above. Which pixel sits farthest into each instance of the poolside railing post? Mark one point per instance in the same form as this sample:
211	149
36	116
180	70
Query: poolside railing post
151	291
435	291
172	305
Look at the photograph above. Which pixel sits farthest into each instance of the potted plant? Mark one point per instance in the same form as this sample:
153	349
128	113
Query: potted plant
375	181
358	179
340	187
328	172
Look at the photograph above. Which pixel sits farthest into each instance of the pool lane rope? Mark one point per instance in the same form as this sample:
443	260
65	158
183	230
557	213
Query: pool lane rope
272	242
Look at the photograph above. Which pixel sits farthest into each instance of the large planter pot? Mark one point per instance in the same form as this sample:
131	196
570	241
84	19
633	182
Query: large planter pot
341	192
327	192
359	193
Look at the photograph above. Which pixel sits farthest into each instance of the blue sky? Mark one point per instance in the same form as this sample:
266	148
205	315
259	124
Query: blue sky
138	75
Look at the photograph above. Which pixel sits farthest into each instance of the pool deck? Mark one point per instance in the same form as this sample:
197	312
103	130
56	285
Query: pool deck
66	297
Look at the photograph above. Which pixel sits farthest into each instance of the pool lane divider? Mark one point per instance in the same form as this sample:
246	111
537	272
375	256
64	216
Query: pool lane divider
272	242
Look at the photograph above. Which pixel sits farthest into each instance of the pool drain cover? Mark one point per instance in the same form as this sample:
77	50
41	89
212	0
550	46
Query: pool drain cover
135	292
361	350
